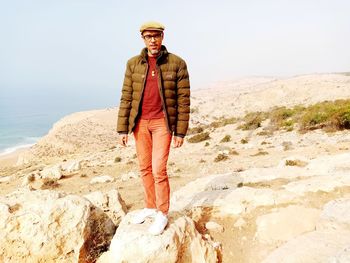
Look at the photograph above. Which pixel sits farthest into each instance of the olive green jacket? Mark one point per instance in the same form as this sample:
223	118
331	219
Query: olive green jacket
174	89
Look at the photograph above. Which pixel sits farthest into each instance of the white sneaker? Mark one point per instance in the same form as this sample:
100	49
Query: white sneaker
141	216
159	224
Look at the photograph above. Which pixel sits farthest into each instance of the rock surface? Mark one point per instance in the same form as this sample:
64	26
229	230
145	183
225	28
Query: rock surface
110	202
286	223
180	242
48	226
53	172
101	179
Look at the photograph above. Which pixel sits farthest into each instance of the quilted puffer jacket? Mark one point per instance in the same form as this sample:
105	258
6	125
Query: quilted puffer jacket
174	88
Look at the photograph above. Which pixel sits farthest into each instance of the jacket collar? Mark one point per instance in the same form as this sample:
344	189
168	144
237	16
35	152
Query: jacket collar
162	54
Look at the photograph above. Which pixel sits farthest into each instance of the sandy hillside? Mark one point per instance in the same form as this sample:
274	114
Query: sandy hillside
251	166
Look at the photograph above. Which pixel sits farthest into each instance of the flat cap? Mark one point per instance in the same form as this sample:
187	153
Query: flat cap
152	25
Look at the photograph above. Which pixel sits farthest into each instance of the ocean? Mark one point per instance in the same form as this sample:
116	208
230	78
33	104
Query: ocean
25	118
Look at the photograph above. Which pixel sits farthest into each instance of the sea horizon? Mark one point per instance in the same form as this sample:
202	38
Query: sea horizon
25	119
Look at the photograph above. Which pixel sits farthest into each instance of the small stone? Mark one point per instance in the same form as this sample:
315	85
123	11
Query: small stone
240	223
211	225
130	175
5	179
101	179
72	166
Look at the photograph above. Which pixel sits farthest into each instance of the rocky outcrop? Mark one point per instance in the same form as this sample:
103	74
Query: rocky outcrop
49	226
286	223
180	242
328	243
52	172
111	203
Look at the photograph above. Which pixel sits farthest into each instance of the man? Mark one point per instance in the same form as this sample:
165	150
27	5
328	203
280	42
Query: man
155	106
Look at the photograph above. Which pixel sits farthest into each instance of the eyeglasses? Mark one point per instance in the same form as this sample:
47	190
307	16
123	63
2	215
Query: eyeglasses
149	37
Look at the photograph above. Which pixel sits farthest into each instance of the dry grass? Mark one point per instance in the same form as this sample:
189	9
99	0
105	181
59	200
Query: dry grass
244	141
259	153
49	183
298	163
221	157
223	121
227	138
199	137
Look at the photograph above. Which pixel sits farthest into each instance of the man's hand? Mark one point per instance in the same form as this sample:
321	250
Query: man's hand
123	139
177	141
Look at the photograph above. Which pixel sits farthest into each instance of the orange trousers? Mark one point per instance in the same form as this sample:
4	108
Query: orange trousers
153	140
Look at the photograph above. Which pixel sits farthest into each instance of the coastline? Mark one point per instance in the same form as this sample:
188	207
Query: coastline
10	159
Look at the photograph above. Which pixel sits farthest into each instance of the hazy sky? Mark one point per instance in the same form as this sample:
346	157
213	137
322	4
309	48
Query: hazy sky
80	48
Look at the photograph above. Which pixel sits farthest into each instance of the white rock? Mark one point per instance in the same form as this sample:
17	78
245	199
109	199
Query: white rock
325	183
335	215
313	247
326	165
343	256
49	226
286	223
226	202
111	203
180	242
28	179
71	166
5	179
101	179
52	172
240	223
211	225
130	175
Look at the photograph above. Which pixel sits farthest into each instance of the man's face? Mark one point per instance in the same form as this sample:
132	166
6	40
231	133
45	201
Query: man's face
153	41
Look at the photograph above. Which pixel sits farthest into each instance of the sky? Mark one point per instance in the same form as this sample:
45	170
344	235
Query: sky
76	50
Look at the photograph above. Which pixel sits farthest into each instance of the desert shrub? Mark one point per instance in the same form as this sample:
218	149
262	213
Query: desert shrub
260	153
117	159
227	138
223	121
327	115
49	183
295	163
253	120
233	152
220	157
195	130
244	141
194	110
265	133
206	144
199	137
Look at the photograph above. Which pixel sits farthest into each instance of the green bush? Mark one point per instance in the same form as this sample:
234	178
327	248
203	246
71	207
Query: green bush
253	120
